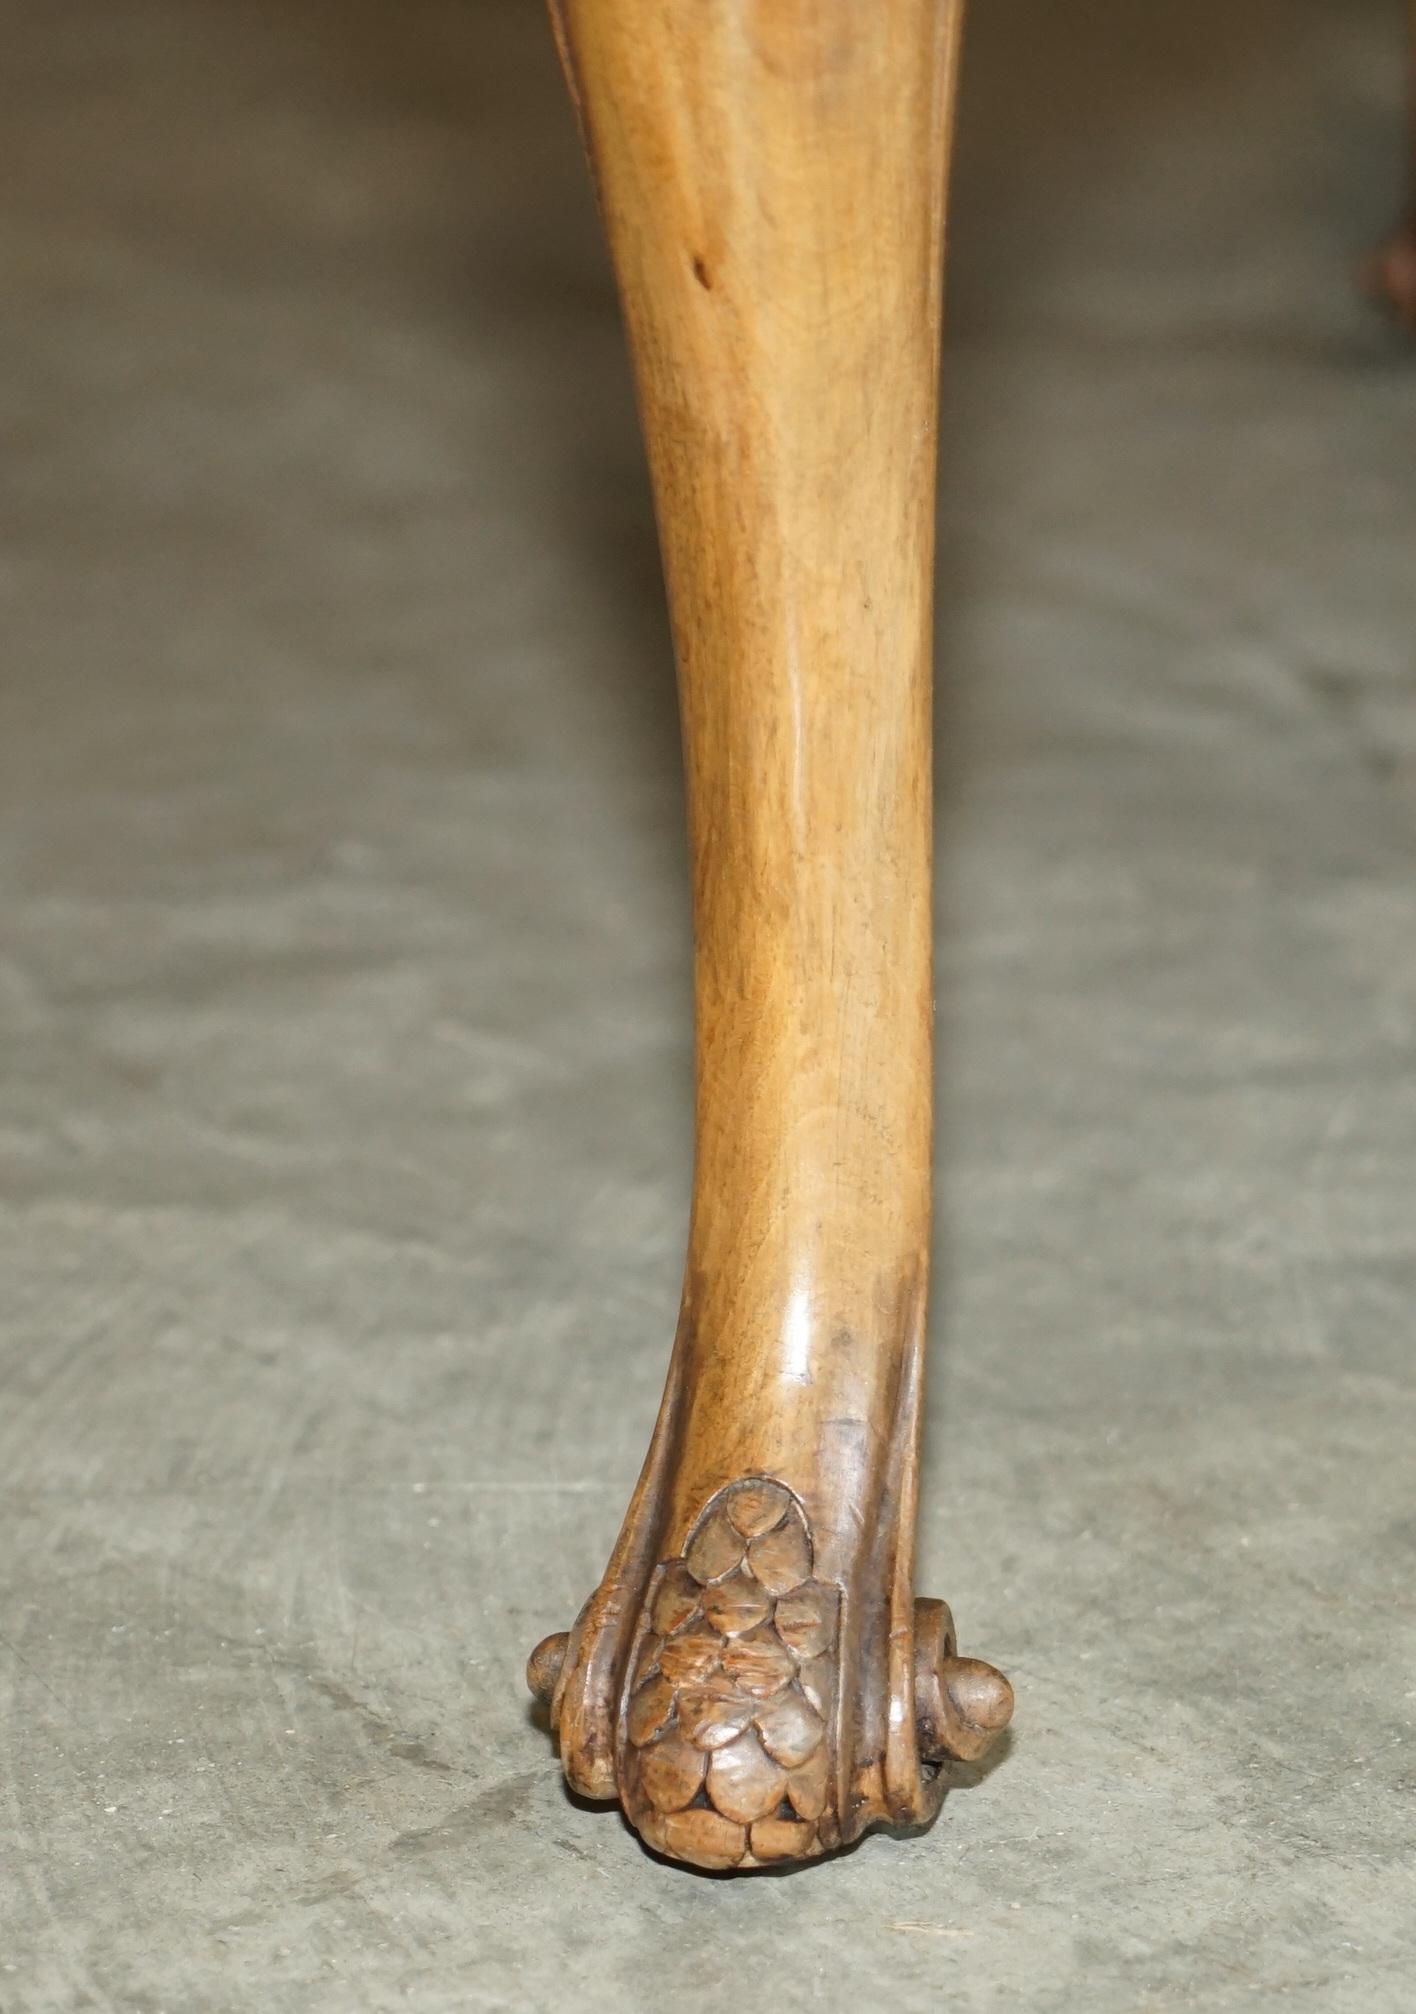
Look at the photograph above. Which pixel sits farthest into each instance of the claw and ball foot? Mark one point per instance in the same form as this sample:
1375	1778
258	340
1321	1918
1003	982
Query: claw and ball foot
962	1705
730	1748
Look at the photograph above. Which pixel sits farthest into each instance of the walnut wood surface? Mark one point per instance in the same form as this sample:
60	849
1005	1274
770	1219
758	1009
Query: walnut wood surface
771	175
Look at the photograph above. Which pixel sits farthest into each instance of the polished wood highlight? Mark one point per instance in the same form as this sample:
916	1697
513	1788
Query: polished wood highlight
750	1678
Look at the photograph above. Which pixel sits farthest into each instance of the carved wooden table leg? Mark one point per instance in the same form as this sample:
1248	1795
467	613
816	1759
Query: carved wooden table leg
753	1678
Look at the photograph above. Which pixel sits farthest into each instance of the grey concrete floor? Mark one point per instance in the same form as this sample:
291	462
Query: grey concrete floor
346	1054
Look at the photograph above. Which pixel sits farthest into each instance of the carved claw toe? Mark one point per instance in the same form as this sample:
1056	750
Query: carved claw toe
544	1666
962	1705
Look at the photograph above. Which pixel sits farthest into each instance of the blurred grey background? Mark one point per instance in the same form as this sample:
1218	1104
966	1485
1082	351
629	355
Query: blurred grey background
344	980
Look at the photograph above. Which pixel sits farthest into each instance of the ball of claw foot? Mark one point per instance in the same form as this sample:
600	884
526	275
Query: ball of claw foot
979	1693
543	1667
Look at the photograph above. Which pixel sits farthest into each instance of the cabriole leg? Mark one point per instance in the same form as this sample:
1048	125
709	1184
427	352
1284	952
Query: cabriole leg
753	1678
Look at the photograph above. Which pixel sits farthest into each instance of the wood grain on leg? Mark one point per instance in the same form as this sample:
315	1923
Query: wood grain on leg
771	175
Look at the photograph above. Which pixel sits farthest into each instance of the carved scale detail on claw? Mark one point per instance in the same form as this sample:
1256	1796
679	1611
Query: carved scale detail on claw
729	1733
727	1746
